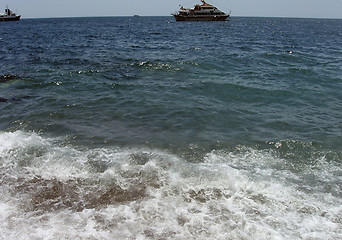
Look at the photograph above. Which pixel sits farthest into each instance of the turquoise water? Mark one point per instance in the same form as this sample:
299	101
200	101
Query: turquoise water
147	128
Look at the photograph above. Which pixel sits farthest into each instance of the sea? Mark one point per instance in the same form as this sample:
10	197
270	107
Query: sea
148	128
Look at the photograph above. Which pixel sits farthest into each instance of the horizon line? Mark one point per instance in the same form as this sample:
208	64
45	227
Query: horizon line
290	17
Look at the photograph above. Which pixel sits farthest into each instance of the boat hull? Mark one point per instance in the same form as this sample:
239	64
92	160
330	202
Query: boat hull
9	19
180	18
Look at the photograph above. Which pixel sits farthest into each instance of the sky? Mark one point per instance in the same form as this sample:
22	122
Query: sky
259	8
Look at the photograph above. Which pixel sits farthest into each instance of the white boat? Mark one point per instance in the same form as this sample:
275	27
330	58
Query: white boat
9	16
201	12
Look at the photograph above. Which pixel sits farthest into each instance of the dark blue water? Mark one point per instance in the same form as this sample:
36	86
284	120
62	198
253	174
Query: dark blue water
188	130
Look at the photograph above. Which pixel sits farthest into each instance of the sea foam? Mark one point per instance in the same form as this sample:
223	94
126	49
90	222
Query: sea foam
50	190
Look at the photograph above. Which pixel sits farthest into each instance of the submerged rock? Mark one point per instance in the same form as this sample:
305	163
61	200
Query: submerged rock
3	99
8	77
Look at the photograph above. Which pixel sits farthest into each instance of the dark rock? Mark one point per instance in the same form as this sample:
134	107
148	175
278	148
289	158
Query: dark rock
8	77
3	99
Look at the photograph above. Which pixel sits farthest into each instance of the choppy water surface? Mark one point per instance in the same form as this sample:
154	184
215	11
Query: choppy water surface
144	128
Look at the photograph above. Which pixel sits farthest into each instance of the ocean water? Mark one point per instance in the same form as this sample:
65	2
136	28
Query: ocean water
147	128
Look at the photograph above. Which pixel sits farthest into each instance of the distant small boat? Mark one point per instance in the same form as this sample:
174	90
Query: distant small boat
203	12
9	16
136	15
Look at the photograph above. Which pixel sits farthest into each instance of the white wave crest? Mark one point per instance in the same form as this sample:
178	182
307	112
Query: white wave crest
53	191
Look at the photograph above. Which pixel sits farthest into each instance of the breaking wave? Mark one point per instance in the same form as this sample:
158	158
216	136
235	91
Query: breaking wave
51	190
